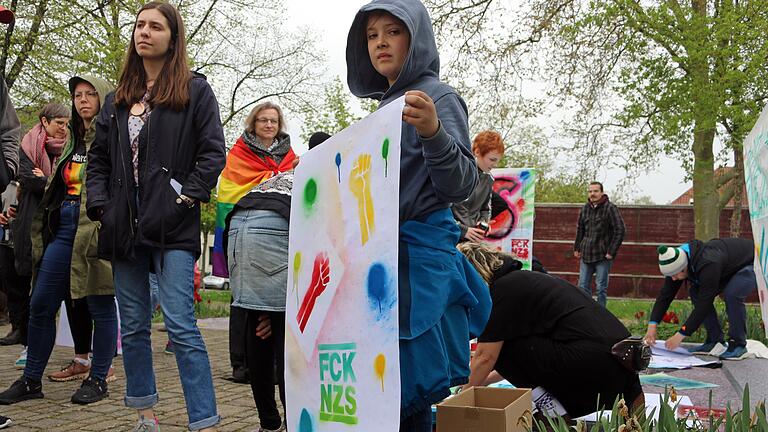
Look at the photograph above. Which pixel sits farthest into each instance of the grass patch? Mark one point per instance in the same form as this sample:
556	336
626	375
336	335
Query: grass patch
635	313
215	304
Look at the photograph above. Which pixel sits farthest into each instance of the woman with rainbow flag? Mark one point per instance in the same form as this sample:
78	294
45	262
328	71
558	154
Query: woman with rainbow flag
262	151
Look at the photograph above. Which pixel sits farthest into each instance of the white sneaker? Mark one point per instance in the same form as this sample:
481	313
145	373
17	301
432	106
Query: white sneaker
147	425
21	362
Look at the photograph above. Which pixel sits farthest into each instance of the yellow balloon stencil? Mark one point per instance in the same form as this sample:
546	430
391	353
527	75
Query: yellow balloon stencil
296	269
380	365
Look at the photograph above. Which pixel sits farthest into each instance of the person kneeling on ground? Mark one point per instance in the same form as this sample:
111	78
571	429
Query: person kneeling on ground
545	334
717	267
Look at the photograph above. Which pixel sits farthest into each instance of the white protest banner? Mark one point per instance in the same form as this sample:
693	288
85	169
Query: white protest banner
756	176
342	368
511	230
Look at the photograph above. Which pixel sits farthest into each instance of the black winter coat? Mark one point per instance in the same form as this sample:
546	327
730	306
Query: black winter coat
31	190
710	266
186	145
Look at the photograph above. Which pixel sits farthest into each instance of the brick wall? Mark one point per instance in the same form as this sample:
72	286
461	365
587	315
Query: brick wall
635	273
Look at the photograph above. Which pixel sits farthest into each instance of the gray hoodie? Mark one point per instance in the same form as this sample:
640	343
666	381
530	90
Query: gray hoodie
437	171
10	131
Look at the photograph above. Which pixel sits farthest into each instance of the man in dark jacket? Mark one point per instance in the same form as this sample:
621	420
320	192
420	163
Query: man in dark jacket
10	133
10	129
599	233
717	267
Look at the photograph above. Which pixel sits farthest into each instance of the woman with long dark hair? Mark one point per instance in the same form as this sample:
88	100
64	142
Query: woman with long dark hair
65	265
158	152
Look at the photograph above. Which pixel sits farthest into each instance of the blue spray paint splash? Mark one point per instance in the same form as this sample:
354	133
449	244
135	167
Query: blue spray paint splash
305	422
378	286
338	165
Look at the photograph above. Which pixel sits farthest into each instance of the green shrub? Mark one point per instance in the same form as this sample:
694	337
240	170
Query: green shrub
745	420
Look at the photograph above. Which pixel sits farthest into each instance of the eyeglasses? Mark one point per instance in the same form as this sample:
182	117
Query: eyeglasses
267	120
80	95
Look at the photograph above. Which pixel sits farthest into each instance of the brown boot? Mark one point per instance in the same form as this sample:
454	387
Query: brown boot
73	371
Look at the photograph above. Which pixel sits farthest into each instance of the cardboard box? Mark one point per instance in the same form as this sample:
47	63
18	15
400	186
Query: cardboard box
486	409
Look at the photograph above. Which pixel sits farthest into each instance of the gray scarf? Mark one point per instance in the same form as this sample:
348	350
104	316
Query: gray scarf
277	151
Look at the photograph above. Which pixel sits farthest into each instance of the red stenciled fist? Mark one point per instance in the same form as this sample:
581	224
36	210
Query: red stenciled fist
321	275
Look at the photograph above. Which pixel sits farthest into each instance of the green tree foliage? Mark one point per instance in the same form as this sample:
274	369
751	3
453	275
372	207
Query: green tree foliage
334	113
208	222
247	57
642	78
527	146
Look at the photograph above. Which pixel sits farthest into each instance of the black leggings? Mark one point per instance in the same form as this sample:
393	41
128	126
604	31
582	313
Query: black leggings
16	287
262	355
80	323
237	317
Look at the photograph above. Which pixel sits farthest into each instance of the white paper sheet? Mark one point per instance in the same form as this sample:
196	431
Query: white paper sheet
342	353
677	359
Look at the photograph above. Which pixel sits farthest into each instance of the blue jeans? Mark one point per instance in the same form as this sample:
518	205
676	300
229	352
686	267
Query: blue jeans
601	269
175	275
257	254
736	291
51	287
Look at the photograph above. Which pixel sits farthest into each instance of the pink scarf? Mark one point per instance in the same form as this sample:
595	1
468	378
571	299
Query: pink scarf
37	145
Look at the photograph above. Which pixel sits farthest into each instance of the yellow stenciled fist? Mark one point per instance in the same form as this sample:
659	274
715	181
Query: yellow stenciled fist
360	186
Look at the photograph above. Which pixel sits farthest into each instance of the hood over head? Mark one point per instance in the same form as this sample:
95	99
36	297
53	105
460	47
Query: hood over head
102	86
422	60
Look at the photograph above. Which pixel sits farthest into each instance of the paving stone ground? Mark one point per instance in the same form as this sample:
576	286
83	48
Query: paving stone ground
56	413
235	403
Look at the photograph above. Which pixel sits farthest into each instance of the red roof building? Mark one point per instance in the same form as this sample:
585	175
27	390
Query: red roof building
687	197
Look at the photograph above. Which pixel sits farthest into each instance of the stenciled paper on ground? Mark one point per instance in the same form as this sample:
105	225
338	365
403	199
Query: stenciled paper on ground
679	358
342	368
756	176
512	229
679	383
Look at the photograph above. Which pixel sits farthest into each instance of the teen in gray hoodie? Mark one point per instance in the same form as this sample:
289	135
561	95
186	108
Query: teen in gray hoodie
443	302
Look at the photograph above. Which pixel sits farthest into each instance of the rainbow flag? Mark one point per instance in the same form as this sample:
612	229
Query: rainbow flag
243	171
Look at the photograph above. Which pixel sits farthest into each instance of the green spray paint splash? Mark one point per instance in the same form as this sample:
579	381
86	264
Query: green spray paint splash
310	194
385	154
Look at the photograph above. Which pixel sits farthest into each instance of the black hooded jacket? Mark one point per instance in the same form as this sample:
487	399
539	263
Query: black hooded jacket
187	146
710	266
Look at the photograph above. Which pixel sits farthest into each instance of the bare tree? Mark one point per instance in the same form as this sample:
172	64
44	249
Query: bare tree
247	57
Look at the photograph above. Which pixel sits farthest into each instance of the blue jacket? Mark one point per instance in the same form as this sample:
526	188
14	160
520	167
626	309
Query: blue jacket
434	172
443	303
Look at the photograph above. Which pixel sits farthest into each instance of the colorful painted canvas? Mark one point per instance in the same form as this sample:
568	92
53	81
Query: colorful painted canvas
511	230
756	176
342	358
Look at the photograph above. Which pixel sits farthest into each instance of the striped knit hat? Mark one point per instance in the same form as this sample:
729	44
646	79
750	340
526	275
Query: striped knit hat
672	260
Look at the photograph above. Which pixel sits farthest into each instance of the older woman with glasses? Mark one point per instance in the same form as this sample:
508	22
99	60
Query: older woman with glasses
263	150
